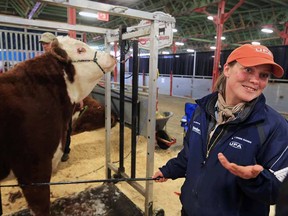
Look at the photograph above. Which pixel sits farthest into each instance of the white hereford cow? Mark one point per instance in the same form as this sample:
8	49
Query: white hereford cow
36	102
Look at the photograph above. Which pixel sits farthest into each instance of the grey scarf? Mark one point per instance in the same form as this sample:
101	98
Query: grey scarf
225	112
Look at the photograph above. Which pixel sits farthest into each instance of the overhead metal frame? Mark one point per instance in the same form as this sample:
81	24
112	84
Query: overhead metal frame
111	35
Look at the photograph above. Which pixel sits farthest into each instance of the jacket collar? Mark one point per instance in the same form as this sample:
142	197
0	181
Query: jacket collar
254	110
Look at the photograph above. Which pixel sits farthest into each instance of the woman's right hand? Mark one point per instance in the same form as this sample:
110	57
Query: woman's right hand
158	176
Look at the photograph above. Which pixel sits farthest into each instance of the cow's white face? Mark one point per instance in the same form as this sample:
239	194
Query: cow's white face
88	73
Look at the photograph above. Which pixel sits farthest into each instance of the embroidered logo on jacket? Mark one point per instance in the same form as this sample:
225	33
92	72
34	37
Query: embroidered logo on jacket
196	130
235	145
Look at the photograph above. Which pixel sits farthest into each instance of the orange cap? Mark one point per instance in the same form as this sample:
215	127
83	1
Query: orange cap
252	55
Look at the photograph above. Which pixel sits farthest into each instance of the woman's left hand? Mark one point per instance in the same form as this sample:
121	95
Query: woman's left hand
245	172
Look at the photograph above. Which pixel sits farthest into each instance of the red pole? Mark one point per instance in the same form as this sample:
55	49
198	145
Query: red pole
219	20
171	83
143	77
71	14
174	48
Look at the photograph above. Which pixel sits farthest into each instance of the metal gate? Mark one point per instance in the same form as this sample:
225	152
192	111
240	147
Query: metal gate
20	44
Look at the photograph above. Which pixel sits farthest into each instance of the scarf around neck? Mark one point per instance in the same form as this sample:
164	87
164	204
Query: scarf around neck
227	112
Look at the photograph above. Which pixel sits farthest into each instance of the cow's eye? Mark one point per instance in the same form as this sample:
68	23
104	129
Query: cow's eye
80	50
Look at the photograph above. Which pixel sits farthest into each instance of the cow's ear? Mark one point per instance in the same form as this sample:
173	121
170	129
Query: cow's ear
58	52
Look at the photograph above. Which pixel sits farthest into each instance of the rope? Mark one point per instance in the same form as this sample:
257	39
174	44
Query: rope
94	60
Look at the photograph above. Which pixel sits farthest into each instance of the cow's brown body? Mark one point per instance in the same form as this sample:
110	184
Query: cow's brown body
36	106
93	117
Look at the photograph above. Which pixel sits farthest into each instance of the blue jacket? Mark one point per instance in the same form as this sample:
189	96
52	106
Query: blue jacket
259	135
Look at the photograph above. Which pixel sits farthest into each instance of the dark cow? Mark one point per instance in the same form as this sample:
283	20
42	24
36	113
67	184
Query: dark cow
37	98
91	117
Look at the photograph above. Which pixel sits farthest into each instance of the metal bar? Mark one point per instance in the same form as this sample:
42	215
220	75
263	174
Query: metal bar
151	117
135	185
107	118
135	113
17	47
26	44
122	99
6	49
30	47
2	52
128	35
22	47
17	8
111	9
34	10
115	180
12	49
49	24
34	44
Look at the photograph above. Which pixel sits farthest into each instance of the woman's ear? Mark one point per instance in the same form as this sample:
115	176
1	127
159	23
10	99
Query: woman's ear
227	70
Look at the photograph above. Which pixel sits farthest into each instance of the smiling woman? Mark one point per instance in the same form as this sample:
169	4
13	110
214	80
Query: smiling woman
231	163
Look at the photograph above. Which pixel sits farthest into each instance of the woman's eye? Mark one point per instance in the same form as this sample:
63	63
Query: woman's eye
247	69
264	75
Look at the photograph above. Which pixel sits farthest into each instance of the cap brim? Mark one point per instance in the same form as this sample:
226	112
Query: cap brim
43	41
250	62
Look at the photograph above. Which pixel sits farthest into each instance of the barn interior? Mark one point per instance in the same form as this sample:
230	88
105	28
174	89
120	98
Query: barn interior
188	32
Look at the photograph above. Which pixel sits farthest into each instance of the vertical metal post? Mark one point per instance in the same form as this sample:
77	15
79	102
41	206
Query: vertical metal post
151	118
108	119
122	99
134	108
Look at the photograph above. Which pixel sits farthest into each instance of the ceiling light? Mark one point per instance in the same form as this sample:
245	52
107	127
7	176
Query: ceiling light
222	37
144	54
267	30
213	47
165	52
88	14
179	43
210	18
255	43
190	50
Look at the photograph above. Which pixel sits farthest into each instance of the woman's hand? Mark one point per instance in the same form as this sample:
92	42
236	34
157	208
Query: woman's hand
158	176
245	172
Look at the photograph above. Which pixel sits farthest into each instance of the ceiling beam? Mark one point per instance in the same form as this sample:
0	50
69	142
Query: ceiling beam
112	9
49	24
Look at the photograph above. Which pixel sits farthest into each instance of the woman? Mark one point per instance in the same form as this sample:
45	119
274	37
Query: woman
233	121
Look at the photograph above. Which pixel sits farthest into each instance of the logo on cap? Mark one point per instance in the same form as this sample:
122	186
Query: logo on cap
263	50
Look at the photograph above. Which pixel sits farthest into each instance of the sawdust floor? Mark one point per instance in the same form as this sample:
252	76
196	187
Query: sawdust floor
87	162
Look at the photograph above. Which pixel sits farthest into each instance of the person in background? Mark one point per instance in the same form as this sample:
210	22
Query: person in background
46	40
235	152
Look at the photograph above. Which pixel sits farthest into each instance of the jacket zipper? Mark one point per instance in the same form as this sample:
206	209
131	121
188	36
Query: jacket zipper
209	148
